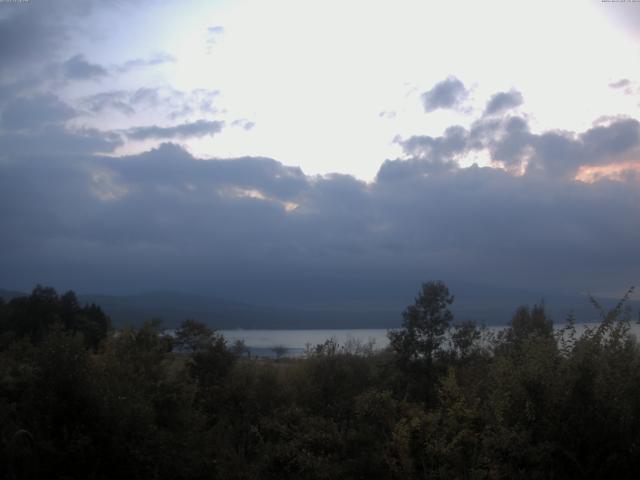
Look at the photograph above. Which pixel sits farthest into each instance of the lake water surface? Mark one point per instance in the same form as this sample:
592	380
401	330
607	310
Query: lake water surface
262	342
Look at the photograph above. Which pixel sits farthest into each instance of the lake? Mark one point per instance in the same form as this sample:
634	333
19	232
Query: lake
262	342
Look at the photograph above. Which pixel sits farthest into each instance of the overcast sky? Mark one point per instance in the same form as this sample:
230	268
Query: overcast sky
319	150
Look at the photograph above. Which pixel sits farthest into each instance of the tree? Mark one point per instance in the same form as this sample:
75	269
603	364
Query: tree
464	338
239	348
425	324
211	364
417	345
35	315
279	351
529	324
192	336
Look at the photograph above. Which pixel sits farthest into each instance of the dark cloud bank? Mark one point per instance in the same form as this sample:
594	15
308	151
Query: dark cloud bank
255	230
37	32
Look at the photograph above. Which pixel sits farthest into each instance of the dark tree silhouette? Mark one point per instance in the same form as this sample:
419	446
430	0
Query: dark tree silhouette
425	324
35	315
193	336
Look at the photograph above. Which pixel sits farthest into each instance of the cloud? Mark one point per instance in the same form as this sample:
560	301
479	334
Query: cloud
34	112
54	141
618	137
622	83
115	99
254	228
78	68
157	59
198	128
562	154
453	141
425	155
160	102
447	94
128	101
213	35
39	32
57	75
146	95
243	123
27	36
502	101
509	142
511	145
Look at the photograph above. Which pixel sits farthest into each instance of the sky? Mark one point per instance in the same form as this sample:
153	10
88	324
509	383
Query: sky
319	151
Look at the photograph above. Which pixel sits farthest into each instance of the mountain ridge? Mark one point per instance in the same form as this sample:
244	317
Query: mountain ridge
173	306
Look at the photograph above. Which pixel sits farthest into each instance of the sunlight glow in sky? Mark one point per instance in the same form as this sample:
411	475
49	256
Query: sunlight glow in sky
329	85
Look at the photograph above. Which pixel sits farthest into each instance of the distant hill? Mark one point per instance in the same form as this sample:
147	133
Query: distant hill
496	305
491	306
9	294
173	307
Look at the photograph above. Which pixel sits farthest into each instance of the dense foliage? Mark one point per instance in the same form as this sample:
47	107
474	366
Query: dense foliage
81	401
